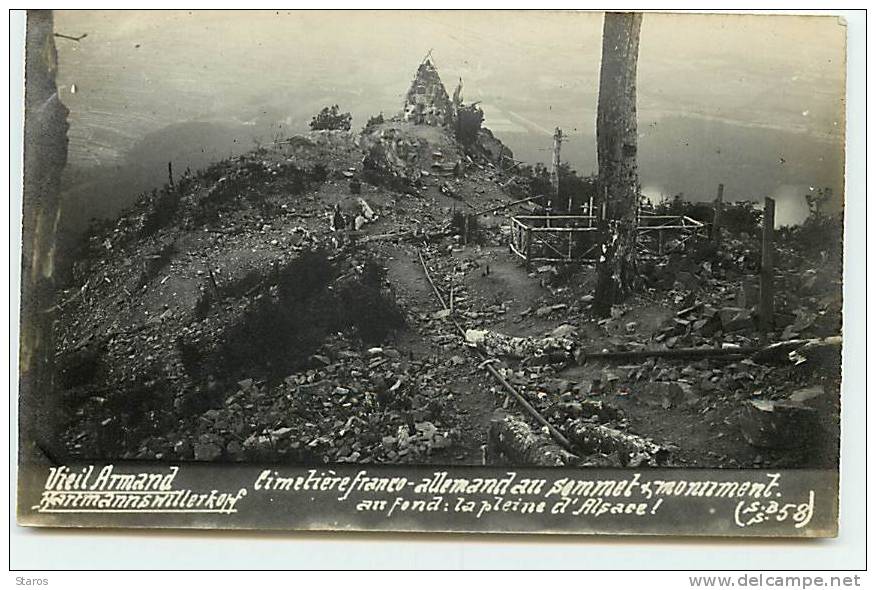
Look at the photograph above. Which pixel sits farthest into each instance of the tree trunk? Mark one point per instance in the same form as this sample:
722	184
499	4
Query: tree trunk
629	450
618	182
510	441
45	155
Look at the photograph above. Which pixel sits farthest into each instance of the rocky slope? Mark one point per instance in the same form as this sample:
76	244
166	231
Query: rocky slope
192	321
227	317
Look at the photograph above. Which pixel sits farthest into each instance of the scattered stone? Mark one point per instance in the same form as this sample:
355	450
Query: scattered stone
183	449
544	311
233	449
782	424
564	331
321	359
207	451
807	395
734	319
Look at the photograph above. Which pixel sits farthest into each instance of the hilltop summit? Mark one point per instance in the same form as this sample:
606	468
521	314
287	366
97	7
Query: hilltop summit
233	290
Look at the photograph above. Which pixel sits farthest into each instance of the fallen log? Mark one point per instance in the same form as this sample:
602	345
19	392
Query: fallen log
506	205
630	449
681	353
498	344
779	351
587	409
389	236
411	234
511	441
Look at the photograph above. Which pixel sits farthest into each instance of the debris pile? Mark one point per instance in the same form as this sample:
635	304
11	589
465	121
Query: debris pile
351	407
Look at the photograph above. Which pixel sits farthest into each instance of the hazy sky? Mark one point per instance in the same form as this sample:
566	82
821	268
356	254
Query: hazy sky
139	72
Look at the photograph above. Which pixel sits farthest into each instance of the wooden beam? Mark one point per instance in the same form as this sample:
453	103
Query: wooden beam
681	353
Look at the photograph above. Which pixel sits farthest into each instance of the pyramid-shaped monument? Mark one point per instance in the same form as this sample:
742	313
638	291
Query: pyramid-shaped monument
427	101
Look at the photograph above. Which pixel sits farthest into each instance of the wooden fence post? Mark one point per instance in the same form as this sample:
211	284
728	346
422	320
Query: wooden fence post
716	221
528	248
765	311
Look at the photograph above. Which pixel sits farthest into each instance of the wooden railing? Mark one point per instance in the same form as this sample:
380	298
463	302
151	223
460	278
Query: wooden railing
574	238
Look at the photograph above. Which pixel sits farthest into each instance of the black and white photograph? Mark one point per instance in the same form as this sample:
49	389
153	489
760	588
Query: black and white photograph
579	270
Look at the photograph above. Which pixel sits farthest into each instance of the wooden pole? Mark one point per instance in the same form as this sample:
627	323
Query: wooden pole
555	434
170	174
569	255
213	283
716	221
765	311
432	284
555	166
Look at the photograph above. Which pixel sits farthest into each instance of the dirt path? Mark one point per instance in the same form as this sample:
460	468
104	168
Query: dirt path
470	394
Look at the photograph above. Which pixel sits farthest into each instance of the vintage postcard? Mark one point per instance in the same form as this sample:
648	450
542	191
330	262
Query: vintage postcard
463	271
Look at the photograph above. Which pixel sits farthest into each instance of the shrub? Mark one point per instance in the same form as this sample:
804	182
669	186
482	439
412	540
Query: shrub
704	212
305	276
374	121
367	307
820	232
742	216
331	118
276	335
468	123
579	188
162	211
737	217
